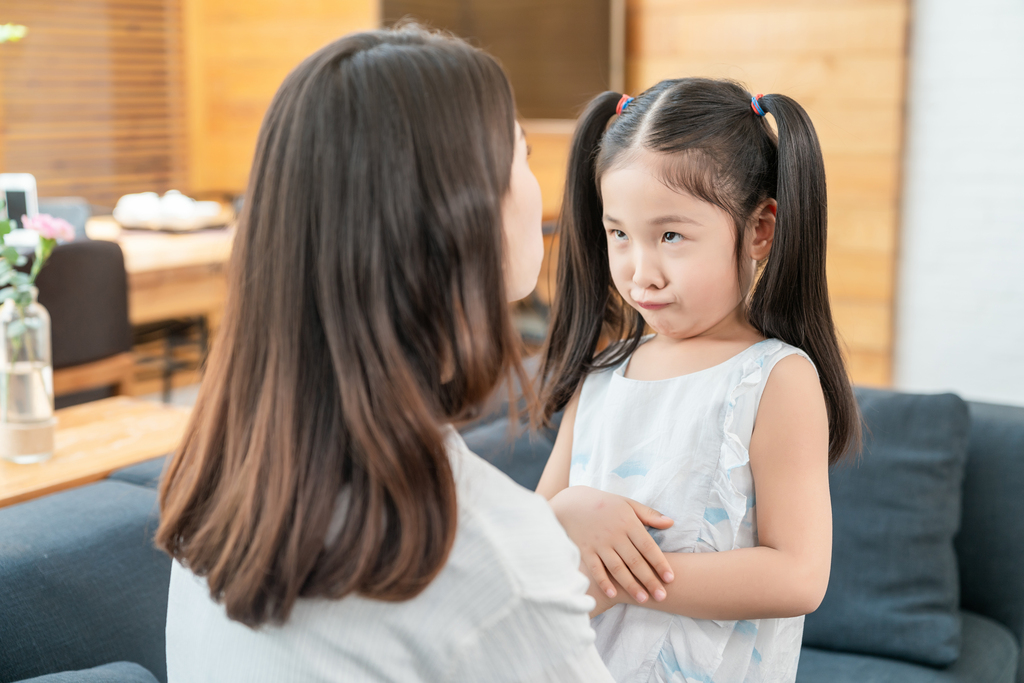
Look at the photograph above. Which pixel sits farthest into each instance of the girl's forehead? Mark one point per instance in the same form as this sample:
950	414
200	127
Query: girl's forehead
638	193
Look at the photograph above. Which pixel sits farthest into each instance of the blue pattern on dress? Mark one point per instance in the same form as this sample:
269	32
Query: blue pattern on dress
747	628
632	468
716	515
580	460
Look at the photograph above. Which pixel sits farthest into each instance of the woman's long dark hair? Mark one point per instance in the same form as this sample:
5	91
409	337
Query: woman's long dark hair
720	151
366	308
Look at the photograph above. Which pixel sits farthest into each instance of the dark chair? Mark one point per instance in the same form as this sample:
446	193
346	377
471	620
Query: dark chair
85	289
75	210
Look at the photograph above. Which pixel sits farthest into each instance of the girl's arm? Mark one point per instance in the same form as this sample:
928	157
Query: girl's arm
610	531
787	574
556	473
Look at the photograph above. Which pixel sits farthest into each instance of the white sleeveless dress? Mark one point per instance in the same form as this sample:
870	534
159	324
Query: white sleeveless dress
681	445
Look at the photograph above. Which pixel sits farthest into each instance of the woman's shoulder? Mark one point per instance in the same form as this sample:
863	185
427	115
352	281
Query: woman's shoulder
512	530
512	552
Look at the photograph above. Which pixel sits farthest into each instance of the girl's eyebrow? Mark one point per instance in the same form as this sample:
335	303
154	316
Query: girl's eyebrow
662	220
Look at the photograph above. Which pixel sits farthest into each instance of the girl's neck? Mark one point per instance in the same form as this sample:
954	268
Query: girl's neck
666	356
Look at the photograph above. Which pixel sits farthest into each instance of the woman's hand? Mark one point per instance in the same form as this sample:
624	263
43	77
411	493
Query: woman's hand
609	531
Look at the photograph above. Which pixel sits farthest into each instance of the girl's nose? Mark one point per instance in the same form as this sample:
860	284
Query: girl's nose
646	273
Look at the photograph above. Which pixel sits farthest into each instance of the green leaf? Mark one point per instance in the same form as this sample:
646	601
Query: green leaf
15	329
21	279
6	293
5	227
22	260
6	276
10	254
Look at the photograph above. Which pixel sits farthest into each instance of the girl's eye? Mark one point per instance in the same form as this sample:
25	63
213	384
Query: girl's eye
672	237
618	234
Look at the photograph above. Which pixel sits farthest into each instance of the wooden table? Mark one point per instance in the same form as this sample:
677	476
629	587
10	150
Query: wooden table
93	440
171	275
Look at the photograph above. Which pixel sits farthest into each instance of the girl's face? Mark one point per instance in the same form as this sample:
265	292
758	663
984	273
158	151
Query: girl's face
521	219
672	256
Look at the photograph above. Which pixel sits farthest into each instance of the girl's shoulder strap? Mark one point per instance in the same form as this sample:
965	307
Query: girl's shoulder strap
769	353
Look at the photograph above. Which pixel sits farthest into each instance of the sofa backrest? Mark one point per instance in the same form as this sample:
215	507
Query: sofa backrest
990	545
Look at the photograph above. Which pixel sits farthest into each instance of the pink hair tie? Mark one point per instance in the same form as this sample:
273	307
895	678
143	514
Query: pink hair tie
623	103
755	105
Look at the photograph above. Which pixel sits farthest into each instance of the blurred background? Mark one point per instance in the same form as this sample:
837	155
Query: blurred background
917	104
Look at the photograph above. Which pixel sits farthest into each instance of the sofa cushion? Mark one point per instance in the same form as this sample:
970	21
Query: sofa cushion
118	672
990	545
894	589
988	655
80	582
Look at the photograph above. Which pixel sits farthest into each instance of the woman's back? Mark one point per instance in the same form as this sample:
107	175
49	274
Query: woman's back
509	605
391	216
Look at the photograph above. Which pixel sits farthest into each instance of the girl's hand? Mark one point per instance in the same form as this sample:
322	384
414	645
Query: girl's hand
609	530
603	602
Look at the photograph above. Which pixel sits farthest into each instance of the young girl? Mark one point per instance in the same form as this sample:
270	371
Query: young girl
689	216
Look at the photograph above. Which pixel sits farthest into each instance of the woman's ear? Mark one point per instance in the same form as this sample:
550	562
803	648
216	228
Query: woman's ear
760	240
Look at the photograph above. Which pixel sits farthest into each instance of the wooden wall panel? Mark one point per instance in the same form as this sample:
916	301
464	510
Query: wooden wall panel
549	141
92	97
845	62
237	54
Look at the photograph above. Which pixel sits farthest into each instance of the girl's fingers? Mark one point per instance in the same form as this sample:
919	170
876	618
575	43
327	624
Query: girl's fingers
648	547
642	571
599	575
648	516
620	572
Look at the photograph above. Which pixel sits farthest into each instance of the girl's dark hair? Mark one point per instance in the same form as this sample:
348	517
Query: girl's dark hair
366	309
720	151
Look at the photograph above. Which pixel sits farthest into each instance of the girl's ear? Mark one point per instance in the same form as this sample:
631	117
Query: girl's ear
760	240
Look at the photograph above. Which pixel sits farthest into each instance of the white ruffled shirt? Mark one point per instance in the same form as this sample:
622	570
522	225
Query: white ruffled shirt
509	605
680	445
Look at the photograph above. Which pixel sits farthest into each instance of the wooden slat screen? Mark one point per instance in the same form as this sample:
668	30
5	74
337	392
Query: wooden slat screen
556	54
92	97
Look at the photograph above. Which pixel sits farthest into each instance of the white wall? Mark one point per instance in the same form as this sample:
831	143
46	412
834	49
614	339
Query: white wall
960	306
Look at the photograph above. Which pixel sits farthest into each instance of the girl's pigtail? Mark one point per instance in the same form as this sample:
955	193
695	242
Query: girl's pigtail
583	282
790	301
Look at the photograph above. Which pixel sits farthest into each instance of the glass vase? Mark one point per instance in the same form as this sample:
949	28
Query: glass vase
26	383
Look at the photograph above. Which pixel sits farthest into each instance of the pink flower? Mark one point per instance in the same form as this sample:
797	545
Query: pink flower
49	227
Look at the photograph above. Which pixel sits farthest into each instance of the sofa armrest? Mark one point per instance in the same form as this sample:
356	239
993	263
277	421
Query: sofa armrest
118	672
81	584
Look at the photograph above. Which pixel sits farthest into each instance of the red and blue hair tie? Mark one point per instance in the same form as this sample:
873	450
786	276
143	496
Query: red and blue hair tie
623	103
755	105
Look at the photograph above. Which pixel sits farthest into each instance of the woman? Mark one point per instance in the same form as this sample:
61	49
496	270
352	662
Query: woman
327	524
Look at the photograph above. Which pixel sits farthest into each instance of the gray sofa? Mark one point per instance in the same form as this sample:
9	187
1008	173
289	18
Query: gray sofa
927	582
